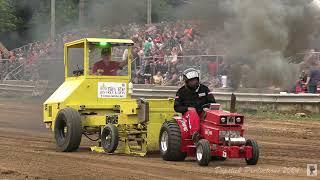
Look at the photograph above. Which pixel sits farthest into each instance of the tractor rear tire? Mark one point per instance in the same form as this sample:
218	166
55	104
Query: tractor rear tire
203	152
170	142
68	130
255	152
109	138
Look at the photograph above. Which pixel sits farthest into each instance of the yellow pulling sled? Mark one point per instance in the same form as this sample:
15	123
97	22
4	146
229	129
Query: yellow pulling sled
95	99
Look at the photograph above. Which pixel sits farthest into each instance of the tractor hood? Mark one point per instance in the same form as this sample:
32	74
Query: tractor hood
64	91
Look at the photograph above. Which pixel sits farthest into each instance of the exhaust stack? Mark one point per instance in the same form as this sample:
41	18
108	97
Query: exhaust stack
233	103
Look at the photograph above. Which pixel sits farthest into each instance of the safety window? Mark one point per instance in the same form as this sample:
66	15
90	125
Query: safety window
75	62
108	60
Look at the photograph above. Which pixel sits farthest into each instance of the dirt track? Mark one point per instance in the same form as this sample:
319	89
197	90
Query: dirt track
27	151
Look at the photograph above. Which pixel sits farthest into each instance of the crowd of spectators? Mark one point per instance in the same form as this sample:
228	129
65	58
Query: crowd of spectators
158	52
309	80
21	63
162	51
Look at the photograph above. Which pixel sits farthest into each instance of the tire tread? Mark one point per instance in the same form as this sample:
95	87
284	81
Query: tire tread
173	153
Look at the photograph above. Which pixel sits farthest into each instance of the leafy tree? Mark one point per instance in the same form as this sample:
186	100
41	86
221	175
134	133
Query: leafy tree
176	3
165	10
8	20
22	21
66	14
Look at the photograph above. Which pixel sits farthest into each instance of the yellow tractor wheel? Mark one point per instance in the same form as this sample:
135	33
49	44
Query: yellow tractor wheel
109	138
68	130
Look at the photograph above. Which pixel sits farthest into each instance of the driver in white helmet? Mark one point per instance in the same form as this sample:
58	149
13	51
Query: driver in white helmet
189	101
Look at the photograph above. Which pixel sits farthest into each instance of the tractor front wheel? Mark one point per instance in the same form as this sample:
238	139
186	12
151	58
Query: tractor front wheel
170	142
110	138
255	152
68	130
203	153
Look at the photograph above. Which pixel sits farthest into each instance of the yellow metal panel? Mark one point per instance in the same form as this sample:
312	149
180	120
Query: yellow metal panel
109	78
64	91
86	58
125	119
46	116
76	44
55	109
126	41
153	129
93	120
161	103
153	133
80	43
129	62
99	106
65	60
128	107
85	94
72	78
160	110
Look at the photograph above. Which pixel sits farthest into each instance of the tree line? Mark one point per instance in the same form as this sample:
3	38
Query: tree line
24	20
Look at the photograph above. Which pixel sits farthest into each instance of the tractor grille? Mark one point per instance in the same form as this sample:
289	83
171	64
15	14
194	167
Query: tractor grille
230	134
231	120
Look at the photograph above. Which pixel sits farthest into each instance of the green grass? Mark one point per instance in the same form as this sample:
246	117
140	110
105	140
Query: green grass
283	116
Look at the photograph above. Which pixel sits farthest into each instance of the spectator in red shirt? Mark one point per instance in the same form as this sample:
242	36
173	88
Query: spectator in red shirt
12	57
212	67
107	67
31	57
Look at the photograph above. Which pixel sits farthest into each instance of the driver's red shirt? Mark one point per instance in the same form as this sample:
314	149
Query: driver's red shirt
212	67
108	70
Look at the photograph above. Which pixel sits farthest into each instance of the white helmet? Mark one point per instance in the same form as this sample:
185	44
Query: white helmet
190	73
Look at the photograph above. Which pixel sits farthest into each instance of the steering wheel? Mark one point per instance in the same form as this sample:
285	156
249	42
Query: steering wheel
206	105
204	113
78	72
123	71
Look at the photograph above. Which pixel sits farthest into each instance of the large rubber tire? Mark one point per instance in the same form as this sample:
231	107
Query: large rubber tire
170	142
255	152
68	130
110	138
203	152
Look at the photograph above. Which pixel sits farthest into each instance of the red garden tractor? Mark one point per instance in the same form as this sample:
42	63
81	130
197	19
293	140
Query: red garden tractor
222	137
